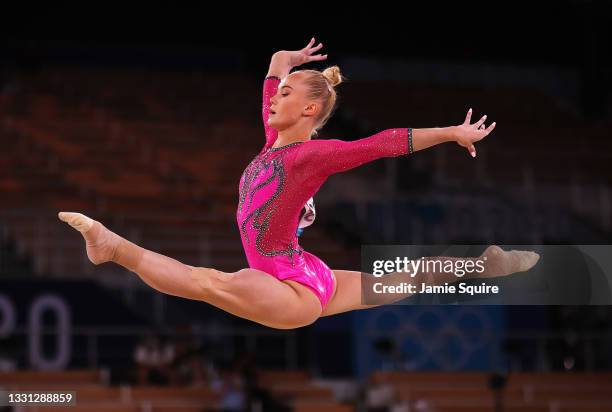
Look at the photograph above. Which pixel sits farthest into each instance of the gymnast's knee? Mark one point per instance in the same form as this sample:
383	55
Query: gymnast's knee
307	320
300	316
290	320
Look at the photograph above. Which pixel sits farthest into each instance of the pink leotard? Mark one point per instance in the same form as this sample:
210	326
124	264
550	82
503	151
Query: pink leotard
278	182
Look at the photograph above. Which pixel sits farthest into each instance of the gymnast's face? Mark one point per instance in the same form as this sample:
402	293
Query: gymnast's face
290	104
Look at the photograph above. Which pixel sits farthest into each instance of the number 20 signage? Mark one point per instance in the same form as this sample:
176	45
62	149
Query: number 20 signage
38	358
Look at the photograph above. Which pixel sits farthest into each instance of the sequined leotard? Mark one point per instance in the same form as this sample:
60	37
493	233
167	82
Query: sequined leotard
279	181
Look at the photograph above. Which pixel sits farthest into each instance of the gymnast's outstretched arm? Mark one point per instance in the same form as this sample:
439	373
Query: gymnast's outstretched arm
464	135
324	157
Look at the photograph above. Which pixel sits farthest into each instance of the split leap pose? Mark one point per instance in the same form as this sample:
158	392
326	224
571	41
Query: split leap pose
285	286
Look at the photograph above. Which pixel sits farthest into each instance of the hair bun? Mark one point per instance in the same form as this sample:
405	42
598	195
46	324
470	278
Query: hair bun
333	76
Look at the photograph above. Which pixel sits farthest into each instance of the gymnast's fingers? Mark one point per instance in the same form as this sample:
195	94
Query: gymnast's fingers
318	57
314	49
468	117
310	43
472	150
480	122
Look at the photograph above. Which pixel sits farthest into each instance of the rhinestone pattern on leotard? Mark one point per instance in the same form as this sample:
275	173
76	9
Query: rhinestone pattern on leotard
410	148
261	163
279	181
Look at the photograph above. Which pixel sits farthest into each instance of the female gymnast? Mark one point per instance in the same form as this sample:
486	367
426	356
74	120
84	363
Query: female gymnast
285	286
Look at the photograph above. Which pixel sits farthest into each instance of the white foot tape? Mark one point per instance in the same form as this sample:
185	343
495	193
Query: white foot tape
78	221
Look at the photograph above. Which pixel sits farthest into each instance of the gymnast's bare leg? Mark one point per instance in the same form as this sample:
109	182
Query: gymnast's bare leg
247	293
348	293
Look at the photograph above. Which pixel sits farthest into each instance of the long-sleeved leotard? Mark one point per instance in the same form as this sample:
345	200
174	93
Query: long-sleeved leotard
279	181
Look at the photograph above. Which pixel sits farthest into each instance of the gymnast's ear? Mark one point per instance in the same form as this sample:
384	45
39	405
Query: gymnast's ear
312	109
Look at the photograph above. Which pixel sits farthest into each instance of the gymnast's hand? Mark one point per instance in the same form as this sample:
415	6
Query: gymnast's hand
466	134
303	56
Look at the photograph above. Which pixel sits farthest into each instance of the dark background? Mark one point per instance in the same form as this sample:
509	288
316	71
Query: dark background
240	39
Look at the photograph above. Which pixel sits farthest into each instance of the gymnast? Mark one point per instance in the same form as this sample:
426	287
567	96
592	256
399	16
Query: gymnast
286	287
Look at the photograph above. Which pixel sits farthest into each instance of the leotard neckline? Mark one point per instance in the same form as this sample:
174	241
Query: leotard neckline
272	149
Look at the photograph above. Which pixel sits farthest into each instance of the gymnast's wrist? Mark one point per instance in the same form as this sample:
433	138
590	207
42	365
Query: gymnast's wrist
449	134
282	58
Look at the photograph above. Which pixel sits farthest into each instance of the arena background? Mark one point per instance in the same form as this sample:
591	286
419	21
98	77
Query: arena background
144	117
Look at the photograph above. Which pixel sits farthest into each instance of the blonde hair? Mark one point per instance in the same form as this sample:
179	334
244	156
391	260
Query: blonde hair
321	86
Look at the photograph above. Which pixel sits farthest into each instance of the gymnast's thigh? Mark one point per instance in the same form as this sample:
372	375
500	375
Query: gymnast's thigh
347	296
259	296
